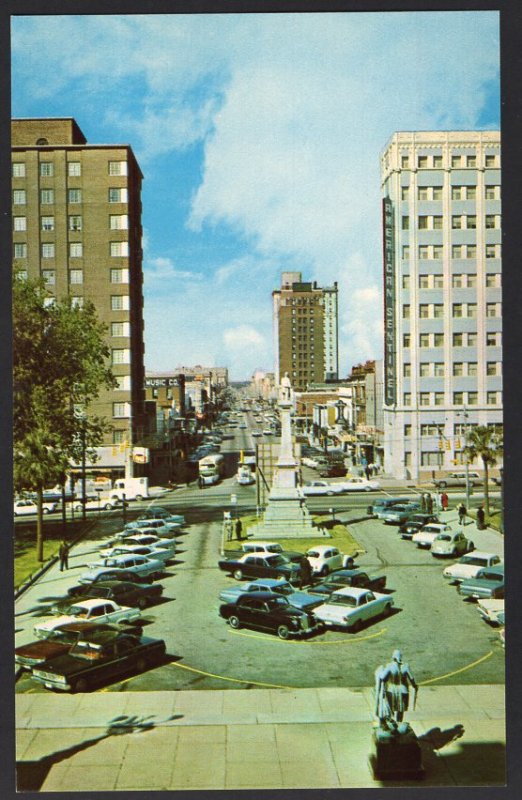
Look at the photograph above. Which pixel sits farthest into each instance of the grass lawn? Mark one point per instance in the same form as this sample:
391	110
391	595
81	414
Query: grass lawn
340	537
26	562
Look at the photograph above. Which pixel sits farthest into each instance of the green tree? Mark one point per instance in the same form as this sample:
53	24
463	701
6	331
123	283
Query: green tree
486	443
59	366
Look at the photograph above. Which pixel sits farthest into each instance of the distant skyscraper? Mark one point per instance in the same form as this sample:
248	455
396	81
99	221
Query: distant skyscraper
305	331
77	224
442	289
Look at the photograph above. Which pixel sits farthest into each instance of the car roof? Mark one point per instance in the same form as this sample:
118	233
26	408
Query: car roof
263	544
268	582
91	603
260	595
353	591
482	554
498	569
321	548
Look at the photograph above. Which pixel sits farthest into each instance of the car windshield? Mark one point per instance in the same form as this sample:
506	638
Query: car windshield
443	537
277	602
274	548
342	600
283	589
78	611
86	650
430	529
397	509
313	554
277	561
476	562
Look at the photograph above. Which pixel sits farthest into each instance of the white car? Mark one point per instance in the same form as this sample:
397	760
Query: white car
325	559
96	505
469	565
159	525
22	507
351	606
427	535
491	611
245	477
321	488
267	432
149	551
95	610
359	485
149	539
256	433
451	543
309	462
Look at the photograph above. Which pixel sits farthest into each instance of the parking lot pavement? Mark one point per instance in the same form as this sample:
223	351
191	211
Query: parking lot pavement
237	739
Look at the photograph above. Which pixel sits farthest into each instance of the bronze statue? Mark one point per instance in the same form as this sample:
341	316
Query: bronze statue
392	691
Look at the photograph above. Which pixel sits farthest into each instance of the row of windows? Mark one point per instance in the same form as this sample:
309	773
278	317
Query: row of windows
48	249
456	160
117	222
115	195
469	339
458	222
459	398
437	369
459	429
458	281
436	310
118	302
428	252
74	168
491	192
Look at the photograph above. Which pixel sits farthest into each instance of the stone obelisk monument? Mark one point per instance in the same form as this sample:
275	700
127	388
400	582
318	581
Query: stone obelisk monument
286	514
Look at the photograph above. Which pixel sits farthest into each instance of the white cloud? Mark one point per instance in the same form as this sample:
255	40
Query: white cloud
242	337
162	270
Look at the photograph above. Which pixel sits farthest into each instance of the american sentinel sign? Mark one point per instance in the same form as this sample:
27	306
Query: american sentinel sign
389	303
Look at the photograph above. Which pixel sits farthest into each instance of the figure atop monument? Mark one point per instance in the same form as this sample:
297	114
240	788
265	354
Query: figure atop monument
392	691
285	390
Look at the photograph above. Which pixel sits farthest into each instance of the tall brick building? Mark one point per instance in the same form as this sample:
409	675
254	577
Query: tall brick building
77	224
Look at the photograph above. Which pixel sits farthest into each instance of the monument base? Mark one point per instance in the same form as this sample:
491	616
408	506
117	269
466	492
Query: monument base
396	754
286	516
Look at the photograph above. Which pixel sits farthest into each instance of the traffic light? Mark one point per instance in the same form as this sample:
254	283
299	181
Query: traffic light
448	445
441	444
457	444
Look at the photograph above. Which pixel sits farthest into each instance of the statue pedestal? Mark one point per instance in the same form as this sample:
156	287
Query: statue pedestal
396	755
286	516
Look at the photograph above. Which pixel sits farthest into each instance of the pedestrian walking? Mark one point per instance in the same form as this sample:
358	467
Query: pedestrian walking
367	472
63	554
444	499
306	572
239	529
462	513
429	503
423	503
481	518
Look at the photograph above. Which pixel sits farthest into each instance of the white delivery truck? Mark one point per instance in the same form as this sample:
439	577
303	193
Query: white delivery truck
211	469
244	475
132	488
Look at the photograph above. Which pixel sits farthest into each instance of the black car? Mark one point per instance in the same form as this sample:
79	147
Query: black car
109	575
265	611
262	566
124	593
348	577
333	471
102	657
414	523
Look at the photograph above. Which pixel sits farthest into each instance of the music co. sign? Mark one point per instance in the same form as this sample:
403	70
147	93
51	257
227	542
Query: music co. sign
389	303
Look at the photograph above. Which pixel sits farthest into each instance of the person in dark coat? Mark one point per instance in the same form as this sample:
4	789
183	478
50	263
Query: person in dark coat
462	513
429	504
239	529
306	571
63	554
481	518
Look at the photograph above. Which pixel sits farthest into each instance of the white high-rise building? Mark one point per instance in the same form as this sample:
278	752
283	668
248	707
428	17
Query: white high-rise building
442	231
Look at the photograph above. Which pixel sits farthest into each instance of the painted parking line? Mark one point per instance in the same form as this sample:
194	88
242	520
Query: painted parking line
232	680
300	641
457	671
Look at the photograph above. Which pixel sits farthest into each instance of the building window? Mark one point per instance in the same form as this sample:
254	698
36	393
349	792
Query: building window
118	222
119	302
471	281
117	167
407	398
471	251
20	250
405	192
439	369
46	196
76	276
456	251
471	192
424	252
119	249
405	281
406	311
430	459
406	253
471	309
490	160
424	340
492	279
429	429
75	249
492	398
492	339
492	310
472	398
422	162
18	169
456	222
49	276
21	274
422	193
437	251
120	329
424	281
120	410
20	223
46	169
457	310
74	195
405	162
406	370
491	251
19	197
438	311
456	192
407	430
438	399
406	340
424	399
75	223
423	223
118	437
471	222
471	161
458	398
48	250
118	195
121	356
424	311
458	339
124	384
48	223
74	169
491	221
49	301
424	369
405	223
491	192
76	301
437	162
436	191
438	340
472	340
437	223
472	368
458	366
456	161
438	282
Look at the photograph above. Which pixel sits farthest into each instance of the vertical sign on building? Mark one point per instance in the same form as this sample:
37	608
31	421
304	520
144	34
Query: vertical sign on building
389	303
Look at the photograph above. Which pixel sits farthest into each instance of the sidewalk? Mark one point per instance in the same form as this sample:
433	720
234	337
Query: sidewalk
250	739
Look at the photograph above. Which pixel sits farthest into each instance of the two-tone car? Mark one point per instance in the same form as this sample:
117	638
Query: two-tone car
350	607
415	523
488	584
122	592
470	565
348	577
27	506
398	514
156	554
281	588
156	512
93	610
268	612
103	657
261	566
491	611
59	641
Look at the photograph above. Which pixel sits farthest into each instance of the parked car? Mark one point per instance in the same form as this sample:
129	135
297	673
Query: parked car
106	656
398	514
156	512
138	550
351	606
94	610
158	525
274	586
359	485
415	523
325	558
122	592
138	564
333	471
150	539
469	566
256	433
27	506
321	488
59	641
261	566
458	479
97	504
309	462
451	543
348	577
102	575
270	548
491	611
425	537
488	584
380	506
268	612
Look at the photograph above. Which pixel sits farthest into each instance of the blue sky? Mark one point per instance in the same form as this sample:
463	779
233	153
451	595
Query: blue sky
259	137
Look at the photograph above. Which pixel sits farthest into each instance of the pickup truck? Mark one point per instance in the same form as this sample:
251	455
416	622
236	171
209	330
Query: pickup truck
349	577
488	584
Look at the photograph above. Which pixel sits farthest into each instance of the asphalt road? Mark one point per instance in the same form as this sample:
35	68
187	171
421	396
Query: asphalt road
441	635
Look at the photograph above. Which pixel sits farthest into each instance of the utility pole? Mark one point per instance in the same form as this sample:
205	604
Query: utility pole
466	430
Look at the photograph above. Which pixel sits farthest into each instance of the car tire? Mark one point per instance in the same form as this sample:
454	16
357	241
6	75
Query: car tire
442	484
330	494
238	574
283	632
142	603
138	498
387	610
233	621
471	546
45	510
108	506
325	571
81	685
